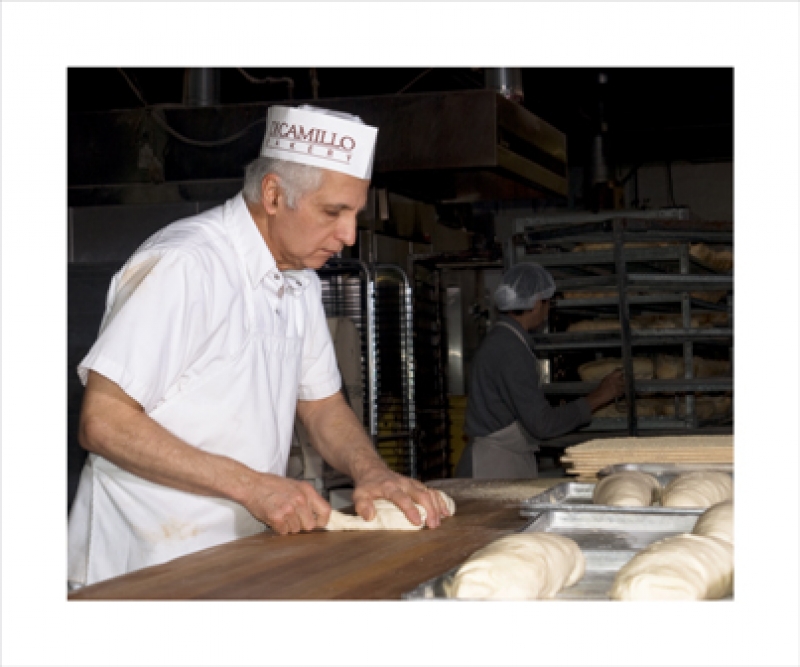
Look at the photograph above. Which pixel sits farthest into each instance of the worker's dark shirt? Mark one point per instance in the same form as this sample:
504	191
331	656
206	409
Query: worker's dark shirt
505	387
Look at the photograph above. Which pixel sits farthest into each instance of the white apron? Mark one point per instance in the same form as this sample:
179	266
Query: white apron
508	453
120	522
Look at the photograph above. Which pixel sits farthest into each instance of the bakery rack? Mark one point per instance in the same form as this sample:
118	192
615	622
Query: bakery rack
663	278
377	297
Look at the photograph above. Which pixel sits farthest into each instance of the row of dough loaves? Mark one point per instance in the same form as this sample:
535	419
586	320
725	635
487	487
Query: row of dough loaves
697	566
664	367
719	259
705	407
632	488
537	566
702	321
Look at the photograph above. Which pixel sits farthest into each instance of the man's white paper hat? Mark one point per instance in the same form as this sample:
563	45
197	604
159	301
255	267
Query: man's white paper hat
320	138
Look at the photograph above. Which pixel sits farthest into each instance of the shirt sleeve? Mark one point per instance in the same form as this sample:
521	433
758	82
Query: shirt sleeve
532	408
319	376
156	321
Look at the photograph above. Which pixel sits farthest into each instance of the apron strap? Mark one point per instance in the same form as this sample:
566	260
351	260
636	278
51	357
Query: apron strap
518	335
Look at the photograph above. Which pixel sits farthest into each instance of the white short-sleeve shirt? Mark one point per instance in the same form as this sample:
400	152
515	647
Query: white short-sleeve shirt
217	345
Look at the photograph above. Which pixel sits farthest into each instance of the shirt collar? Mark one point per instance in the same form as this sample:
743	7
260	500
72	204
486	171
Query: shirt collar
297	280
254	251
517	326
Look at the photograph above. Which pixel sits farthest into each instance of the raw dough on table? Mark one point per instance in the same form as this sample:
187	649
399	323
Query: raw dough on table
522	566
388	516
698	489
717	521
684	567
629	488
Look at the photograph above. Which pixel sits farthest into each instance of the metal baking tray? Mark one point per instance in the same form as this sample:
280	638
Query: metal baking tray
607	540
666	472
577	496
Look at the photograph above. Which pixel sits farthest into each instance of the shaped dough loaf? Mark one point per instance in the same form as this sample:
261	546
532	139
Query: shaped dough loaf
684	567
698	489
523	566
629	488
669	367
388	516
717	521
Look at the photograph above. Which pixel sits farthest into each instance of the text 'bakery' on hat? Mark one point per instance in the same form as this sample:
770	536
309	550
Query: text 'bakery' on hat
320	138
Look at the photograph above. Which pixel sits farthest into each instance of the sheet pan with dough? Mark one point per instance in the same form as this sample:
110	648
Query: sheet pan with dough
607	541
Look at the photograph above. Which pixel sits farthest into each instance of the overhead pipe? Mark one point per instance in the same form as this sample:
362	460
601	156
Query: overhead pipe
507	81
201	86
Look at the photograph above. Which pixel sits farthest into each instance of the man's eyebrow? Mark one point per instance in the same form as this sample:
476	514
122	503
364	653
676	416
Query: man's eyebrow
345	207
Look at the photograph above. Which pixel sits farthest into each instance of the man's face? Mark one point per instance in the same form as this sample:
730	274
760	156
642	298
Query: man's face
323	222
538	316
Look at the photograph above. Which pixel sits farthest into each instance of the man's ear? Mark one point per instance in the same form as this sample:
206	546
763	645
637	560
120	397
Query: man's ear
270	193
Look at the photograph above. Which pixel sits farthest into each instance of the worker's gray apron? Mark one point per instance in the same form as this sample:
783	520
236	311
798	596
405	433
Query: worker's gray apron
505	454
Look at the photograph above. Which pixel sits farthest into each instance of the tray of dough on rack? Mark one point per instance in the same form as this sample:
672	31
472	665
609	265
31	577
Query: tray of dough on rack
607	540
578	496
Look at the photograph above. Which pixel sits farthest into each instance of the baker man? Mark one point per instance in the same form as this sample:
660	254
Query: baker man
213	340
507	412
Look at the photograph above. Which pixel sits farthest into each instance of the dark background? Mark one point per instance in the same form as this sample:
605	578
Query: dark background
653	114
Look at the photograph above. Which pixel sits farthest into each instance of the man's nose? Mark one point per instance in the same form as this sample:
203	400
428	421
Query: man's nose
346	231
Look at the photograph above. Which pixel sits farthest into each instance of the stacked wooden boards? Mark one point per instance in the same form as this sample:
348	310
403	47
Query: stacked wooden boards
587	459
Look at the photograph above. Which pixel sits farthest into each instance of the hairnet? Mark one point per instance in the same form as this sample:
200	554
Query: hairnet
523	285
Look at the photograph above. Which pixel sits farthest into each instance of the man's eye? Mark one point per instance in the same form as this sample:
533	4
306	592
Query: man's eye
333	213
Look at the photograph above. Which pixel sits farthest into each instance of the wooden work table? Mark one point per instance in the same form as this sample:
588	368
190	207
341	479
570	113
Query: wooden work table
333	566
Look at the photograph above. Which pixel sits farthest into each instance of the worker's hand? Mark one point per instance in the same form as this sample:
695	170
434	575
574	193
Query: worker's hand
380	482
286	505
611	386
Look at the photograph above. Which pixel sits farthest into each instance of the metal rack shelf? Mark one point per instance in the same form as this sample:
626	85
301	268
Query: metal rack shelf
652	302
669	281
590	340
637	281
611	269
712	384
645	228
600	257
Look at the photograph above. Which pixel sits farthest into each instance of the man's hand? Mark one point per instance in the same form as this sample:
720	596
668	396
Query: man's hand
611	386
380	482
286	505
340	438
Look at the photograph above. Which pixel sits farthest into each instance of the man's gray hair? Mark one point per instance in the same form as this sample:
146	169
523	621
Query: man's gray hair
296	180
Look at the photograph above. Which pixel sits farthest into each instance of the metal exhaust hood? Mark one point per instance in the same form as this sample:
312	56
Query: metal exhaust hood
453	147
462	146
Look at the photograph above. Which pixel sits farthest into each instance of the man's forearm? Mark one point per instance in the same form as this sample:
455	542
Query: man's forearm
338	436
544	421
114	426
